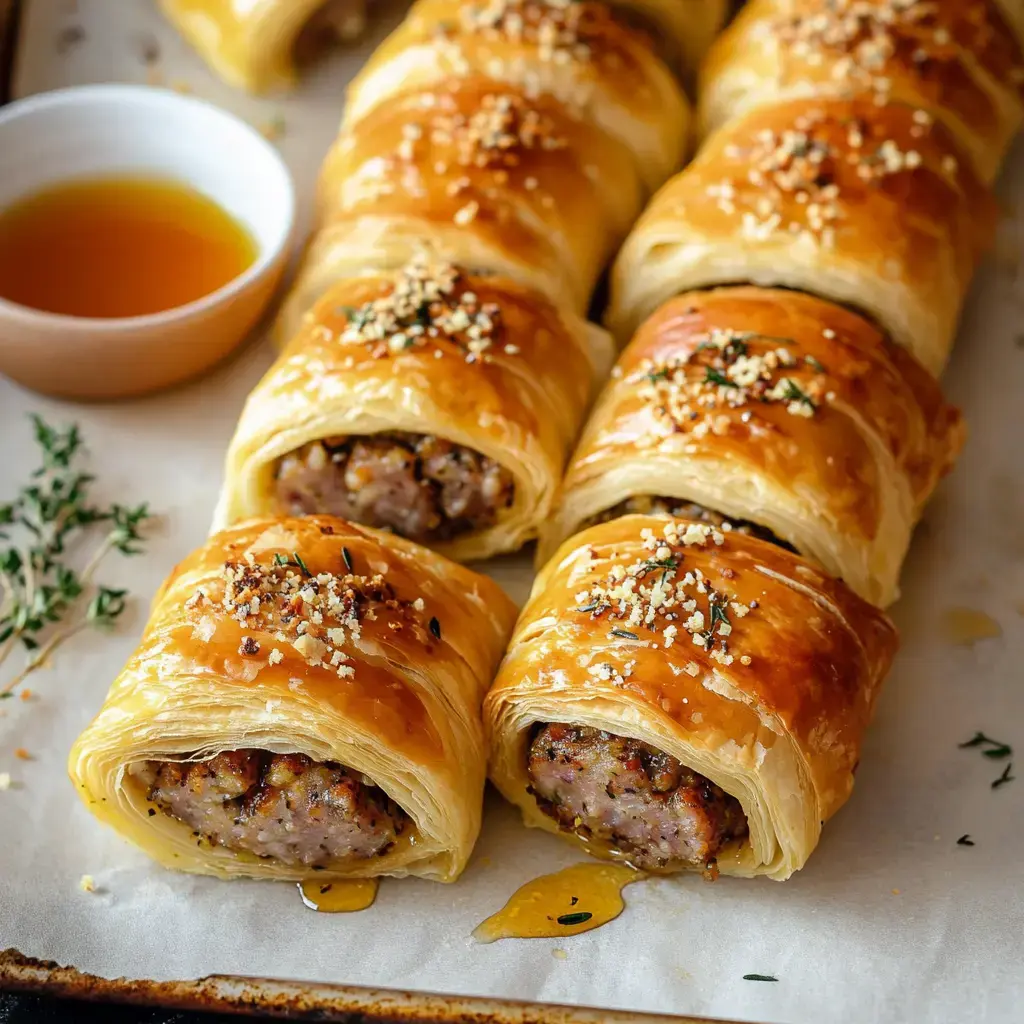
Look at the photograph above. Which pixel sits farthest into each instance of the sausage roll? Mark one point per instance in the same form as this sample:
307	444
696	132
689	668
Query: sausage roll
587	55
769	412
495	180
438	404
305	698
957	59
680	697
252	45
865	204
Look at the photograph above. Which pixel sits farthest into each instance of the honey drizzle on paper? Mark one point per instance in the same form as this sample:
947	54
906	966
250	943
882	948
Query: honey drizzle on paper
577	899
344	897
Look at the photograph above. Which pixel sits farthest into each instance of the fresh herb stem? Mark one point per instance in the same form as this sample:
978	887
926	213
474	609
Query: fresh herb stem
38	589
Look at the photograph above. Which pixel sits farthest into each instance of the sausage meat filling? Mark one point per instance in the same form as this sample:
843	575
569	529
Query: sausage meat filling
656	811
280	806
419	486
644	504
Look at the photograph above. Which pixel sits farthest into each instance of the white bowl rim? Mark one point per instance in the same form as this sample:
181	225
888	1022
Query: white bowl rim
267	259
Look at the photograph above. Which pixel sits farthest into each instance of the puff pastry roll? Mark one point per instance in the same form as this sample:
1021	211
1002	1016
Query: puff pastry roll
306	697
770	412
252	44
435	403
678	697
494	179
864	204
587	55
957	59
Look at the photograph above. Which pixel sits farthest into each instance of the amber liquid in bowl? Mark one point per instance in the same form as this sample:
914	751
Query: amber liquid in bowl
118	247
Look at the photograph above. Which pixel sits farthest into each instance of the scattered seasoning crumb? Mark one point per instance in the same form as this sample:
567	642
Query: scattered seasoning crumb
22	754
151	812
965	840
274	128
895	892
249	646
1005	777
5	781
347	558
149	51
559	954
759	977
68	38
87	883
435	627
26	694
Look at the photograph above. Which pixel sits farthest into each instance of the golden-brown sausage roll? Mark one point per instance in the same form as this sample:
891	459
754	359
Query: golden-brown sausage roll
678	697
496	180
957	59
252	45
868	205
586	56
306	697
437	404
771	408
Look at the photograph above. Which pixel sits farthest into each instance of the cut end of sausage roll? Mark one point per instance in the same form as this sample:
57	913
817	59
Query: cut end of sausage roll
280	807
957	59
675	694
257	46
431	401
305	698
647	806
420	487
773	408
871	206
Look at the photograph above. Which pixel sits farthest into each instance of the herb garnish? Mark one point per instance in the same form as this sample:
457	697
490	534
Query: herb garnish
1005	777
580	917
814	363
792	393
759	977
718	614
347	558
713	376
996	750
657	375
37	588
965	840
587	607
651	564
435	627
625	634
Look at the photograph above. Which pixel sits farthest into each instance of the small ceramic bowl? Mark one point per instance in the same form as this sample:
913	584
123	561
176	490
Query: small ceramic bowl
98	130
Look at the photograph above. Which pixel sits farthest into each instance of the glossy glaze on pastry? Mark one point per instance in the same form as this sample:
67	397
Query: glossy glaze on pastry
306	697
774	408
718	669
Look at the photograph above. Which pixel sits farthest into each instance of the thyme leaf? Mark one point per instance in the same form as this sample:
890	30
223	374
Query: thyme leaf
1005	777
40	590
759	977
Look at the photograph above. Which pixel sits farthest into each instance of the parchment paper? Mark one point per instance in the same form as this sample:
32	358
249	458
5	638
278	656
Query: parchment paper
890	921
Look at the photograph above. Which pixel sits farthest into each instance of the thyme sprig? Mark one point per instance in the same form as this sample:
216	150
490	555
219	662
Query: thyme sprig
40	593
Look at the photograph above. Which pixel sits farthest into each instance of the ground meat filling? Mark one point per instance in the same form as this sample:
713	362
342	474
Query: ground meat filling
659	813
419	486
281	806
644	504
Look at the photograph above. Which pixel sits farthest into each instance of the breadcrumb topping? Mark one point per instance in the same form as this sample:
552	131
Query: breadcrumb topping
723	372
319	617
431	302
789	181
859	40
660	594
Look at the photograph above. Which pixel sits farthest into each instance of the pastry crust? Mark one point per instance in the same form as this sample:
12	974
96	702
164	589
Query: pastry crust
518	395
592	61
251	45
496	180
957	59
406	715
866	205
777	722
776	408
